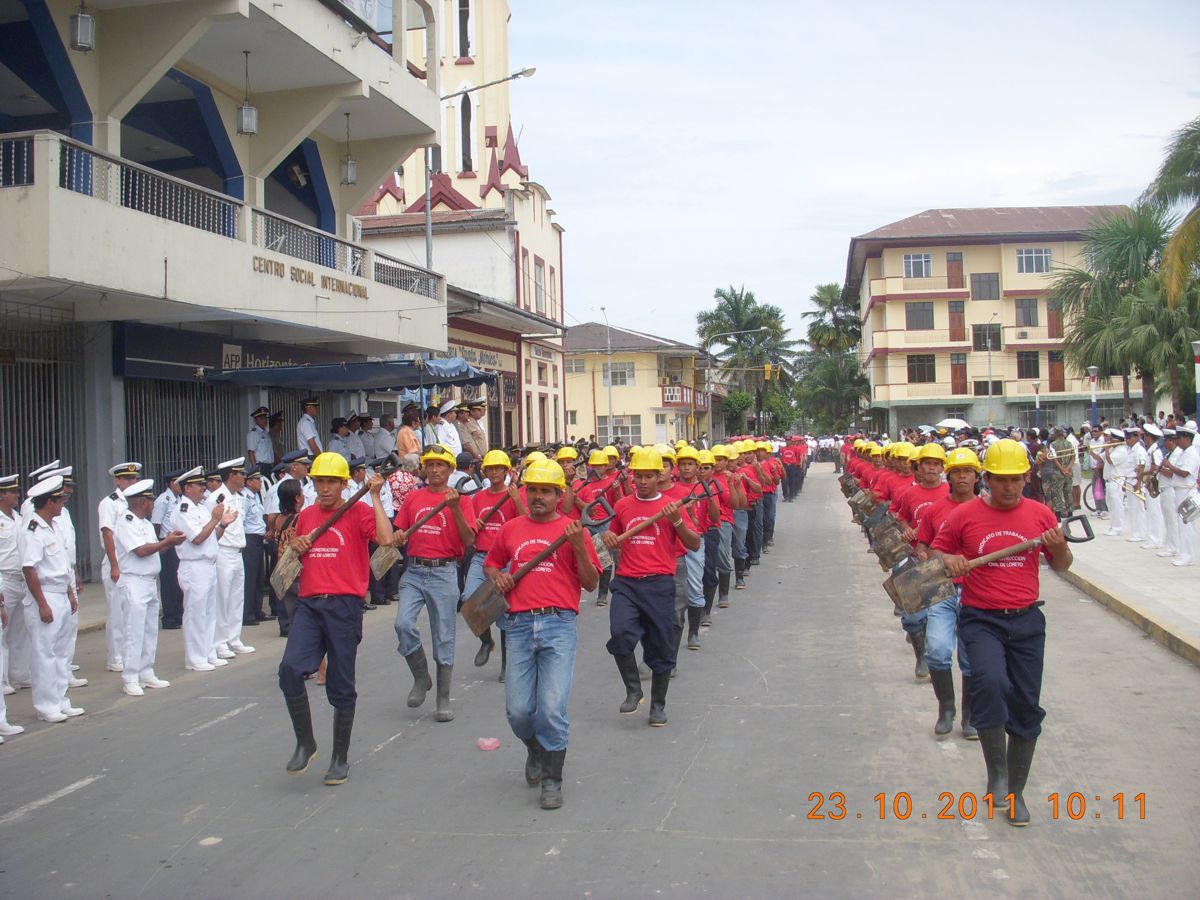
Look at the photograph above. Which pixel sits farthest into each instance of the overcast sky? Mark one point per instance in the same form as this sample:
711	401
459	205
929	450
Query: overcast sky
691	144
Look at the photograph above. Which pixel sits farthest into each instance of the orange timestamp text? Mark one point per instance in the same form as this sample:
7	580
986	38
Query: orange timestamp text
967	806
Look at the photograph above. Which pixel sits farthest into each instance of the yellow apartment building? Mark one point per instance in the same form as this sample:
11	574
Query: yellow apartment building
955	319
652	389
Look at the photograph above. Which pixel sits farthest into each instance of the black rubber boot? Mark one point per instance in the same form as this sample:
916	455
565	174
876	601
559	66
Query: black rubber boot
968	730
503	655
422	683
739	573
628	667
339	765
552	765
533	762
694	615
710	596
444	712
679	621
943	688
921	671
722	590
994	742
306	744
486	645
1020	758
658	698
602	589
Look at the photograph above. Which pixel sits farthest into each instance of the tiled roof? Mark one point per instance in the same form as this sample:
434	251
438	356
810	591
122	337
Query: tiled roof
982	222
591	336
440	217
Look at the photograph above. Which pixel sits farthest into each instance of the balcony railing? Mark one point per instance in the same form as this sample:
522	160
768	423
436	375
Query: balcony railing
681	395
16	162
405	276
312	245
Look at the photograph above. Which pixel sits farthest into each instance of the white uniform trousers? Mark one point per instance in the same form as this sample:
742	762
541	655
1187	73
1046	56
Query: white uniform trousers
141	626
198	581
1154	522
1170	520
114	638
16	636
231	598
1187	530
1115	497
48	660
1136	515
13	610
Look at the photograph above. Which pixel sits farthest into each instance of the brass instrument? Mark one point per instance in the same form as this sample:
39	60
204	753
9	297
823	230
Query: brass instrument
1051	454
1153	489
1134	491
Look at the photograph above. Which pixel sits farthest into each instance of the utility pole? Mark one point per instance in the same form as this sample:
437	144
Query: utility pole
608	356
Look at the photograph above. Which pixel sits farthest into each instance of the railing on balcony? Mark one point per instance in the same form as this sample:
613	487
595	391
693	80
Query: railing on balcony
405	276
115	180
16	162
681	395
280	235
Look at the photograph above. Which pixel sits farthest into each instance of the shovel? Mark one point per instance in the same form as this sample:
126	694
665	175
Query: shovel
923	584
889	544
488	603
703	494
590	522
387	555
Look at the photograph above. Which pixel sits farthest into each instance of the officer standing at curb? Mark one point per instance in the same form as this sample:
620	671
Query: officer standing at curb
123	474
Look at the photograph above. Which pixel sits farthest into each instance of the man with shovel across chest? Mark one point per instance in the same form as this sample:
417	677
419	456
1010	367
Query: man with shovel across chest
540	627
1002	624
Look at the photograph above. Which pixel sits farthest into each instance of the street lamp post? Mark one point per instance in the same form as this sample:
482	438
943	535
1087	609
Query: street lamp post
712	339
1196	355
1093	371
523	73
1037	405
608	352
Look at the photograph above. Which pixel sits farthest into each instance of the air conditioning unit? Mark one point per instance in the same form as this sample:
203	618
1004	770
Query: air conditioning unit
664	381
1022	335
676	379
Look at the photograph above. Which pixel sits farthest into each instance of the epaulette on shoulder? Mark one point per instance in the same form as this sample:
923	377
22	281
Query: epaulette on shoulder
128	517
183	506
114	496
33	525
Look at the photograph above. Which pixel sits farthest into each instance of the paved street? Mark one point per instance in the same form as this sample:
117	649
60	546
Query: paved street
805	685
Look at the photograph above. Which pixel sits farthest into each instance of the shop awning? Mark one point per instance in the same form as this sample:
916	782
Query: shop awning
388	375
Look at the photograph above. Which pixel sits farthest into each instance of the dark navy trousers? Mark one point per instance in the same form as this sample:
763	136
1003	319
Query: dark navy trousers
643	609
328	626
1006	653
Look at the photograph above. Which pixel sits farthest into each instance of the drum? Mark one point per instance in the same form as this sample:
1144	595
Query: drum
1189	509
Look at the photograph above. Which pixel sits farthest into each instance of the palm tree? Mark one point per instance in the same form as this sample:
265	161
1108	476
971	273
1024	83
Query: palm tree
831	389
762	339
1162	334
835	324
1178	182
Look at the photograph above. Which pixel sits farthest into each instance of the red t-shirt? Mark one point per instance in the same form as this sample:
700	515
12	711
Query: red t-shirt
790	455
438	538
933	519
338	562
724	498
484	501
650	552
916	501
753	493
555	580
974	529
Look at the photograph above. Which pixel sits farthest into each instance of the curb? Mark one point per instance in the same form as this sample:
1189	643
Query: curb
91	626
1184	647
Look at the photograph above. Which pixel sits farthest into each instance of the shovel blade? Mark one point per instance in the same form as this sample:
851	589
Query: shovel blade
604	554
922	586
287	570
484	607
383	559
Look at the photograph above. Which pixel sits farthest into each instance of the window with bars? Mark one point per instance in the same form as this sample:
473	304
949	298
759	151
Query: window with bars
1029	364
980	388
980	335
1035	260
1027	311
985	286
918	265
626	428
922	368
918	316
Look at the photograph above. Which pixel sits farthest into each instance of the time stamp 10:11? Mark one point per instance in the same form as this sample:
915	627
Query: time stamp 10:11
968	806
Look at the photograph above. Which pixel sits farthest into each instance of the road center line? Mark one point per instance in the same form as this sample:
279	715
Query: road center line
23	811
218	720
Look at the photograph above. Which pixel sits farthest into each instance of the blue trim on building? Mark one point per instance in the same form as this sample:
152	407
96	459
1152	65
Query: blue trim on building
62	73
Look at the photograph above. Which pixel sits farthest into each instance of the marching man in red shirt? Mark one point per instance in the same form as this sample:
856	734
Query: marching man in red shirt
540	624
1002	624
329	611
643	590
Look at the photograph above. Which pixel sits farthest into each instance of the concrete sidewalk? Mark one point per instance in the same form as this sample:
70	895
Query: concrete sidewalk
1146	589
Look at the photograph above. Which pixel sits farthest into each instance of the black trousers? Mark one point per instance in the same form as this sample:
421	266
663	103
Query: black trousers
329	627
643	610
172	596
712	548
253	562
753	530
1006	654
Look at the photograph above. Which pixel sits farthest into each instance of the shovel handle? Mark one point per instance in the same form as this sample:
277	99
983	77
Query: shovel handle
495	509
1002	554
341	510
425	518
642	526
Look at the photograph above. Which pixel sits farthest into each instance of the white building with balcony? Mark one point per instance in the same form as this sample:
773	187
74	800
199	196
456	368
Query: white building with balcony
176	197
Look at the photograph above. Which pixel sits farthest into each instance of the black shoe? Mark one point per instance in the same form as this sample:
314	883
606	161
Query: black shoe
339	765
251	622
552	764
943	689
422	683
722	590
485	649
444	712
1020	758
369	606
628	667
170	627
283	632
658	698
382	601
533	762
602	600
306	744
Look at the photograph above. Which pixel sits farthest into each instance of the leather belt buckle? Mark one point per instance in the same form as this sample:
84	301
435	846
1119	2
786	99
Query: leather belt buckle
543	611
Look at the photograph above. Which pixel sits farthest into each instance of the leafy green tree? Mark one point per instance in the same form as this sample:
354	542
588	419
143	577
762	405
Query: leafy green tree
834	324
1178	183
830	389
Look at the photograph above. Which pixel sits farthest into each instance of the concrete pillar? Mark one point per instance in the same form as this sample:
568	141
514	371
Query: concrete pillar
104	423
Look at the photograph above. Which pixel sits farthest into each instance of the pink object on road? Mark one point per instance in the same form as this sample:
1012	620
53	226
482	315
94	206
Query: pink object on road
488	744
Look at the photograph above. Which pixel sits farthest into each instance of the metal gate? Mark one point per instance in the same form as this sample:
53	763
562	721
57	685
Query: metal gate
181	424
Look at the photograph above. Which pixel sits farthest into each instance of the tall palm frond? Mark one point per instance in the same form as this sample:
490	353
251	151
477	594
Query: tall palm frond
1178	184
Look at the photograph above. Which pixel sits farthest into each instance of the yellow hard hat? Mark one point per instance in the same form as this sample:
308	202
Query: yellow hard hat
665	451
496	458
646	460
437	452
962	458
598	458
932	451
329	465
764	445
687	451
858	443
546	471
733	450
535	456
567	452
682	442
706	458
876	450
612	452
1006	457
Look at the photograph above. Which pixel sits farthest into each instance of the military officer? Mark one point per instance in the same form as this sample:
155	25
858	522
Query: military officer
307	437
231	575
254	521
12	586
260	452
168	578
198	572
123	475
478	443
447	434
354	438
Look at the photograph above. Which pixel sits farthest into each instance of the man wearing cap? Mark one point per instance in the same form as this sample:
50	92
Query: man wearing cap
138	552
65	526
431	577
198	571
355	439
12	588
123	474
477	441
49	605
1151	434
445	432
339	438
254	524
1166	482
231	575
384	440
260	452
308	438
1182	466
1119	465
459	419
168	578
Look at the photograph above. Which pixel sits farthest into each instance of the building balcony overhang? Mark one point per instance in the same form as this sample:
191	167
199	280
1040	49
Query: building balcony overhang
464	304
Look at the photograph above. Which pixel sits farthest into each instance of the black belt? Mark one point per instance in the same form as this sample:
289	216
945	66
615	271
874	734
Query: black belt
1016	611
543	611
431	562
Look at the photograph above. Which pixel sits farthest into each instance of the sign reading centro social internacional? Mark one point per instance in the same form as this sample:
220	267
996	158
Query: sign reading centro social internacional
304	276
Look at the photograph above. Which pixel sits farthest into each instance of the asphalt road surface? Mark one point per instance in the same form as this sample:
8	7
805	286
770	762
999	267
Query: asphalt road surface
803	688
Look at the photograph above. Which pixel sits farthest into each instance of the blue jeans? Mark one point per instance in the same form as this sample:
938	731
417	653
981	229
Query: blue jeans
725	554
474	574
537	680
694	561
741	520
437	590
941	636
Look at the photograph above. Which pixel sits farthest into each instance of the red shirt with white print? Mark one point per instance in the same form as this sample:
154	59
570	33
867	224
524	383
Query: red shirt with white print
555	580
